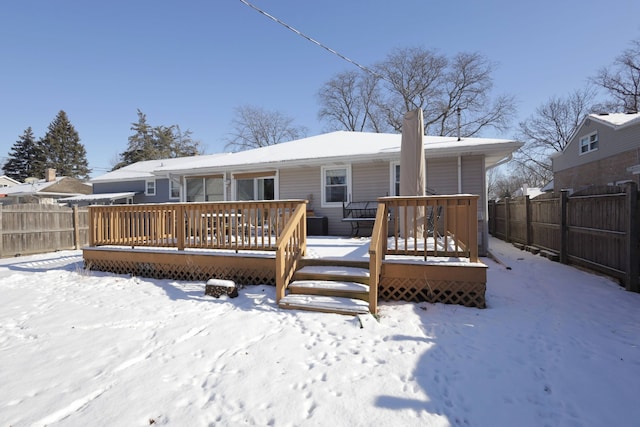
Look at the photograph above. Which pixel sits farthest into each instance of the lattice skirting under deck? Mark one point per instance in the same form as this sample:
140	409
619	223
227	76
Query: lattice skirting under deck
180	267
468	294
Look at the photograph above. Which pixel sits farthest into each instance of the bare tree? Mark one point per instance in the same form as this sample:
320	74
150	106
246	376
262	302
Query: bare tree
622	80
504	181
348	101
255	127
419	78
549	130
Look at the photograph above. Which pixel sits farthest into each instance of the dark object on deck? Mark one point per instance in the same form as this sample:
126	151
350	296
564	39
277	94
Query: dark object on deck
359	215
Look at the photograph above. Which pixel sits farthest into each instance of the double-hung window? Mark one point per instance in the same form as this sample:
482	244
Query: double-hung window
150	188
336	185
589	143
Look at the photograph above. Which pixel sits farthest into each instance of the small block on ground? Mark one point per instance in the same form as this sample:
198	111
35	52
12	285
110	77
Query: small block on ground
218	287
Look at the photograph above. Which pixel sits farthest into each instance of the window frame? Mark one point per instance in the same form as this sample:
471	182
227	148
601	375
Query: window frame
173	183
150	187
392	178
585	141
323	186
256	178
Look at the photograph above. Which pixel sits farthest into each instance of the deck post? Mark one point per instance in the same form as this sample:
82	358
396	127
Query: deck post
180	226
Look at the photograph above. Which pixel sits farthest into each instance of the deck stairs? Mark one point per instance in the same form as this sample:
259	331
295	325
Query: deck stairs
331	286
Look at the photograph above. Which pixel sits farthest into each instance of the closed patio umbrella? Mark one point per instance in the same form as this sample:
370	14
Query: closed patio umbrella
412	171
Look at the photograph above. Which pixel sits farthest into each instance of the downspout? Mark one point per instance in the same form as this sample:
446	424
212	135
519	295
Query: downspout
459	174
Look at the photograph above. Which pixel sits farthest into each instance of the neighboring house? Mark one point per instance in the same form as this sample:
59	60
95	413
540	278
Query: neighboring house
604	150
327	169
47	190
138	183
5	181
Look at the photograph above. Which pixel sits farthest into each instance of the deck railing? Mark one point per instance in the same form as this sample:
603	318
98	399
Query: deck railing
292	245
440	226
254	225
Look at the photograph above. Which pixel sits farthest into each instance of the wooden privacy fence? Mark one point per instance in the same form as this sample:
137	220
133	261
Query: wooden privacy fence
596	228
35	228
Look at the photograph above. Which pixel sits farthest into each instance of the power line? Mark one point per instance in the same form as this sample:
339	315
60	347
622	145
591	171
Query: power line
328	49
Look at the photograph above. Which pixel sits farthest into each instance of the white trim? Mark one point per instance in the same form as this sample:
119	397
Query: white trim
589	142
324	169
146	187
172	183
392	177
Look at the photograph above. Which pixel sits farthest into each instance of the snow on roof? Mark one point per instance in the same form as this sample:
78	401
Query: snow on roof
145	169
617	119
100	196
30	188
343	146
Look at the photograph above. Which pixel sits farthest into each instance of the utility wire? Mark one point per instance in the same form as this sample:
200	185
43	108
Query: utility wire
289	27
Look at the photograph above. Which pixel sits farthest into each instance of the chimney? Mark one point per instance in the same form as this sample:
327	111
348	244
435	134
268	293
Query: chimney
50	175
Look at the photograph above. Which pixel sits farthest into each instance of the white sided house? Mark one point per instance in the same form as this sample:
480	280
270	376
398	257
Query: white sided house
331	168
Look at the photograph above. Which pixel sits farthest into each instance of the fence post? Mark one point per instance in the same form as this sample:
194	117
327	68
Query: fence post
527	219
631	281
507	219
564	229
491	212
76	227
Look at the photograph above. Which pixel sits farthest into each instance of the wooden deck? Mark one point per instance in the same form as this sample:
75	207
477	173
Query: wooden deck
441	267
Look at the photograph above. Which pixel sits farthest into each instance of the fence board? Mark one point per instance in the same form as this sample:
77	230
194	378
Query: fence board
597	228
34	228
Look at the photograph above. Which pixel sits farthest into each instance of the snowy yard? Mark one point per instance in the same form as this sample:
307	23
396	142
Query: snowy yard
555	347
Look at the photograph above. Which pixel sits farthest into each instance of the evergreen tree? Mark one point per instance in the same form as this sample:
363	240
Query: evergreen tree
64	151
26	158
159	142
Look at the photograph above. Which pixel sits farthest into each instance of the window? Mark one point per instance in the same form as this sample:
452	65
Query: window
589	143
205	189
174	189
395	179
150	188
336	185
255	189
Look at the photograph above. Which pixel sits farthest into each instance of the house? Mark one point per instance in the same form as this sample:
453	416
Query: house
5	181
326	170
47	190
604	150
138	183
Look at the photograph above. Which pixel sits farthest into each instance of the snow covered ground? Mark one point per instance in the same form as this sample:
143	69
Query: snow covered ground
555	347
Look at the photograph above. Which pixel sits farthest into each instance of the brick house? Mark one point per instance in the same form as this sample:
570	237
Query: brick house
604	150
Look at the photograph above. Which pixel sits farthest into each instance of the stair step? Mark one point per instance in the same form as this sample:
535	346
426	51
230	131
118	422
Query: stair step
325	304
334	288
332	272
335	262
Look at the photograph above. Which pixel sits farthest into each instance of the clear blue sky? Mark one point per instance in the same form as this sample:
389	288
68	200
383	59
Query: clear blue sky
192	62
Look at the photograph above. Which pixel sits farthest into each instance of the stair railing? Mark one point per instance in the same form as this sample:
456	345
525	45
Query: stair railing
377	249
290	247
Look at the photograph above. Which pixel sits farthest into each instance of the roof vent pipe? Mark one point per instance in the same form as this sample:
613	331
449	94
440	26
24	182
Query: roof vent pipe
458	113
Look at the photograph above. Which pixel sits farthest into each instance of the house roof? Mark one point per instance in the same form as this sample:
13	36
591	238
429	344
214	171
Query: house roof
99	197
145	169
341	147
616	120
60	186
9	180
